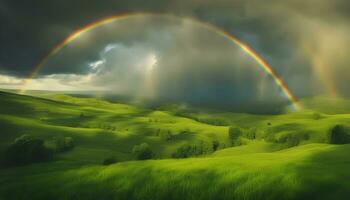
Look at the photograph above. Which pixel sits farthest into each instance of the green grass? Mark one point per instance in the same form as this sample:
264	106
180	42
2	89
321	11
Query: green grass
319	171
262	168
104	127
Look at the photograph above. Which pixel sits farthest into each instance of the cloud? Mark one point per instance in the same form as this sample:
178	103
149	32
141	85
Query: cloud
56	82
109	47
96	65
173	58
160	58
305	41
9	82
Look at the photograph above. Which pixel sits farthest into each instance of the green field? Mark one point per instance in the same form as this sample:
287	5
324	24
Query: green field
285	156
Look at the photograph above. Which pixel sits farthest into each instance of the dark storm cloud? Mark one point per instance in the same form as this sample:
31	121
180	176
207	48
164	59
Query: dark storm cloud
284	32
30	28
186	67
162	57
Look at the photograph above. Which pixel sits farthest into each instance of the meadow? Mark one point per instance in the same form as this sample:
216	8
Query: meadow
284	156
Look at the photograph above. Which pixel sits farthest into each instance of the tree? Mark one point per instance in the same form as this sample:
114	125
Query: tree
27	149
234	133
184	151
143	151
187	150
339	135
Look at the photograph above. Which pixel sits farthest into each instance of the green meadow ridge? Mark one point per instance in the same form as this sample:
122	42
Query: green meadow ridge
286	156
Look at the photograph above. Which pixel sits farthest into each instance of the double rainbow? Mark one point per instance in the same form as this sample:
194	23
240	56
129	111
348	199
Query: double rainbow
259	59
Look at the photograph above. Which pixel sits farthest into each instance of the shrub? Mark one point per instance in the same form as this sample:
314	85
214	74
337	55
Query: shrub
109	160
293	139
316	116
234	133
339	135
143	151
250	133
215	145
290	140
63	144
184	151
27	149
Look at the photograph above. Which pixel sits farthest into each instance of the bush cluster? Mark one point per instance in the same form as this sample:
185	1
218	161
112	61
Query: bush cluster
339	135
292	139
143	151
187	150
27	149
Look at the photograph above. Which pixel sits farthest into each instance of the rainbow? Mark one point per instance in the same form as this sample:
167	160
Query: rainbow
259	59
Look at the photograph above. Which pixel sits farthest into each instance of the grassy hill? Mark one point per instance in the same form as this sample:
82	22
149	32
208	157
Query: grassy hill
100	127
283	156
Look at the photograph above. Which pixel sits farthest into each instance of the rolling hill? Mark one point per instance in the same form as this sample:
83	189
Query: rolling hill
286	156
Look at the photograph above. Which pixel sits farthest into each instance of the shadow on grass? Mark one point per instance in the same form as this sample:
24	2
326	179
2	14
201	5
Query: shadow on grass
140	181
326	174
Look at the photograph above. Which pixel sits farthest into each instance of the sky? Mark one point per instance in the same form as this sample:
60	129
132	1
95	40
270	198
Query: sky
173	54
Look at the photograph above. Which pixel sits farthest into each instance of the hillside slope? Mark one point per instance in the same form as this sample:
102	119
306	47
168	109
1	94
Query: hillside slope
311	171
283	157
101	128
